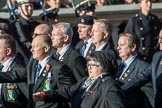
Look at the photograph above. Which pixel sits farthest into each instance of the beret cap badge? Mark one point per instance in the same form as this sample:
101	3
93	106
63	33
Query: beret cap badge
82	20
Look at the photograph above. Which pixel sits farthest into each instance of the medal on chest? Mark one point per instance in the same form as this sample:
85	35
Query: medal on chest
10	94
47	84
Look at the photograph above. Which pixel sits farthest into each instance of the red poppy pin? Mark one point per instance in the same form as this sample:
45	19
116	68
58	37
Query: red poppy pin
48	67
90	91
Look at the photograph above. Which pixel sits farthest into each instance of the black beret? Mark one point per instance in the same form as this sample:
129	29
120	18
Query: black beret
85	19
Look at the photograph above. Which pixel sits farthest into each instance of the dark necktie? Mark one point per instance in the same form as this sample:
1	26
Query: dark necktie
37	72
57	55
84	48
1	67
121	69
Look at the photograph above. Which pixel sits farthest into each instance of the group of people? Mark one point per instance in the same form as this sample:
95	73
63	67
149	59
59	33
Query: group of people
56	65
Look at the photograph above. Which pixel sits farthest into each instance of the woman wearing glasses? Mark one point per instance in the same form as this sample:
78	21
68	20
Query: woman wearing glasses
99	90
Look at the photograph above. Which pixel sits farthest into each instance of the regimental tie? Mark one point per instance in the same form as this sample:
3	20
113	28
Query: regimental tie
37	72
84	48
120	71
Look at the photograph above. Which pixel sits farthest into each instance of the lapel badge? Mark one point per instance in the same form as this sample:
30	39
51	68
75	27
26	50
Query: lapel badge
103	80
61	59
47	68
126	74
161	62
90	92
122	78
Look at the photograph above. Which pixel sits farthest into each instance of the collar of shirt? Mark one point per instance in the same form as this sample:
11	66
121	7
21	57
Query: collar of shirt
44	62
62	52
87	46
94	79
127	63
101	47
7	64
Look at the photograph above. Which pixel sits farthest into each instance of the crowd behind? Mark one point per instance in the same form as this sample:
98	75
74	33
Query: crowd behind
54	64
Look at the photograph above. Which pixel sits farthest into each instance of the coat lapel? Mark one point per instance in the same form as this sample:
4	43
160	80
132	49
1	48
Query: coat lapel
130	69
66	55
41	78
90	50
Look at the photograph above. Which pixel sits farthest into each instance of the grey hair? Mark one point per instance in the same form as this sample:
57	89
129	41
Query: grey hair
66	29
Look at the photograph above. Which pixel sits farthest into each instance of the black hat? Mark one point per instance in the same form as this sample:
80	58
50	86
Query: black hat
108	63
85	19
50	13
137	1
86	5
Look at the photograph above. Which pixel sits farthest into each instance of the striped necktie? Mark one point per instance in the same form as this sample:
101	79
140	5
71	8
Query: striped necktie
84	48
37	72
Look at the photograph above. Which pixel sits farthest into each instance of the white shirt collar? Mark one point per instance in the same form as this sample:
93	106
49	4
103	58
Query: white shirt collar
44	62
62	52
7	64
101	47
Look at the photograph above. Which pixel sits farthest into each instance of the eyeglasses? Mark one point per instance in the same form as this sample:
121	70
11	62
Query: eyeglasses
92	65
36	34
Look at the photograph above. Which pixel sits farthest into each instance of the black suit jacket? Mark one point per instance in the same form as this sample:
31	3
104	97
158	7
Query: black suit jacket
75	62
154	72
20	91
104	93
61	77
136	98
79	46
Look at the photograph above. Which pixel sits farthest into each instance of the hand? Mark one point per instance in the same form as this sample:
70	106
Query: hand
39	96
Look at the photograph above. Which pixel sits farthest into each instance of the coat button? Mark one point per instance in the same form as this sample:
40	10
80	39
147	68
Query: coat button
143	48
142	38
141	28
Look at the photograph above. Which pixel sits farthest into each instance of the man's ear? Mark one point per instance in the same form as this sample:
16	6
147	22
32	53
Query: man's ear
8	51
66	38
105	34
134	47
46	48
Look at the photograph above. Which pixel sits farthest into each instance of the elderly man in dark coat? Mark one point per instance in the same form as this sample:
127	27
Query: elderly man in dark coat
99	90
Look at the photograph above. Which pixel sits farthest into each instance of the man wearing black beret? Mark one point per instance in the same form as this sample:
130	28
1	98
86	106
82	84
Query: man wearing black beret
85	46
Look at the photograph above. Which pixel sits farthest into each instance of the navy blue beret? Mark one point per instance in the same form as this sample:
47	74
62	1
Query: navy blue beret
85	19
